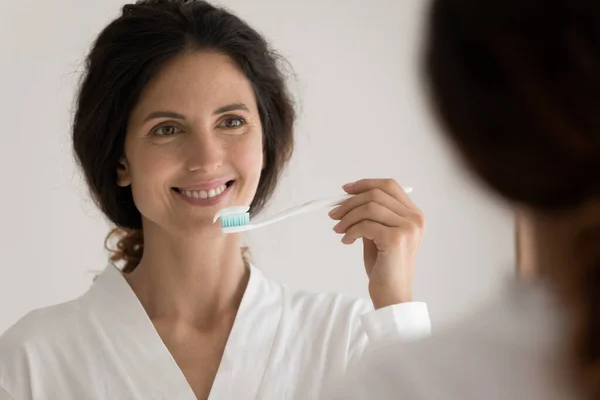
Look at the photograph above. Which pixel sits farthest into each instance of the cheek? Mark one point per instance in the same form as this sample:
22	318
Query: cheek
248	159
150	169
147	169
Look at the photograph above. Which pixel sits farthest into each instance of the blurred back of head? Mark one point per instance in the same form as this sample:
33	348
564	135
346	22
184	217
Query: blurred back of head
516	86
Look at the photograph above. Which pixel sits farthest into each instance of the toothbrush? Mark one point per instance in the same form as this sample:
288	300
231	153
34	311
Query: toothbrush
237	219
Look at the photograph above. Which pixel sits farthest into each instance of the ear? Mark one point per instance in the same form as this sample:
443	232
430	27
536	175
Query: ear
123	178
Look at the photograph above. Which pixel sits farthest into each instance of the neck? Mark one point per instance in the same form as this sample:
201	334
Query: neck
190	278
548	242
525	247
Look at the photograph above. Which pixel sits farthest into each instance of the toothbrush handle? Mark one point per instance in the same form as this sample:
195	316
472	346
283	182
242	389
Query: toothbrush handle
302	209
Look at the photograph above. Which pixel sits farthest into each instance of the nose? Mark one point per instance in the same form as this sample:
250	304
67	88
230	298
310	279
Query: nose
203	152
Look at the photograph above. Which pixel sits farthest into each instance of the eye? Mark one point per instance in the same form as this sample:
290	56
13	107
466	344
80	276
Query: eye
166	130
232	122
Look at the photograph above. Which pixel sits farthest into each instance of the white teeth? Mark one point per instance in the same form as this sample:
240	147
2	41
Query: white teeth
220	190
203	194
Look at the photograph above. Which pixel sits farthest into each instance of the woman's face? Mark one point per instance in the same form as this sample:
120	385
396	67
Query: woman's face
194	143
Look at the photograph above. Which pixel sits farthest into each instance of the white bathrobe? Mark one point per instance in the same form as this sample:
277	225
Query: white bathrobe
284	344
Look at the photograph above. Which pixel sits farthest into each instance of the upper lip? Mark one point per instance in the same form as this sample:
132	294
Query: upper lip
204	185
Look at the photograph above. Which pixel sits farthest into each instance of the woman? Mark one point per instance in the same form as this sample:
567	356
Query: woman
182	111
516	84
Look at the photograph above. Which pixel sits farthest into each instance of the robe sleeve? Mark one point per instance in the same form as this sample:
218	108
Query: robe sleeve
406	321
376	328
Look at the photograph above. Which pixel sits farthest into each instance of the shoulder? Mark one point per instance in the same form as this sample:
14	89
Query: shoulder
426	369
505	344
35	340
40	324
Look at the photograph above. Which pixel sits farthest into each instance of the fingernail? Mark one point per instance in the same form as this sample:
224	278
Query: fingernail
336	226
348	185
333	212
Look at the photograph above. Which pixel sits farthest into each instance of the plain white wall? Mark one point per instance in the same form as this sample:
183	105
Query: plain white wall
362	113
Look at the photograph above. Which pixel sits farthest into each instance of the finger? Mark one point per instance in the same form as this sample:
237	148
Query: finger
390	186
372	212
384	237
366	229
372	196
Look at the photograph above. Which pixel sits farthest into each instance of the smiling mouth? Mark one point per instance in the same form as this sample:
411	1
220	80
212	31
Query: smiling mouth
204	194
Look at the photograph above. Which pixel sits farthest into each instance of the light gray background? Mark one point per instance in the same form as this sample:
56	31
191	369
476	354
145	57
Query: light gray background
362	114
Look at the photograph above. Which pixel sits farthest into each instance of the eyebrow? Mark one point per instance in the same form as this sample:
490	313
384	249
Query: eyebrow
231	107
220	110
164	114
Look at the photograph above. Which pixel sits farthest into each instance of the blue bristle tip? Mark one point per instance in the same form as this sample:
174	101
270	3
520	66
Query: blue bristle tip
233	220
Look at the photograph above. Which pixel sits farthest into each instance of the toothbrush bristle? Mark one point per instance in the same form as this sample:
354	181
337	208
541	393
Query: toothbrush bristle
233	220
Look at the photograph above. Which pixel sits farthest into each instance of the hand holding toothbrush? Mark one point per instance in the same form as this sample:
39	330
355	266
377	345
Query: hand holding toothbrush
376	210
391	227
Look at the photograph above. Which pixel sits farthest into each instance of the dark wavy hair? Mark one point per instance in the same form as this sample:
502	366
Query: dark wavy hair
126	55
516	84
